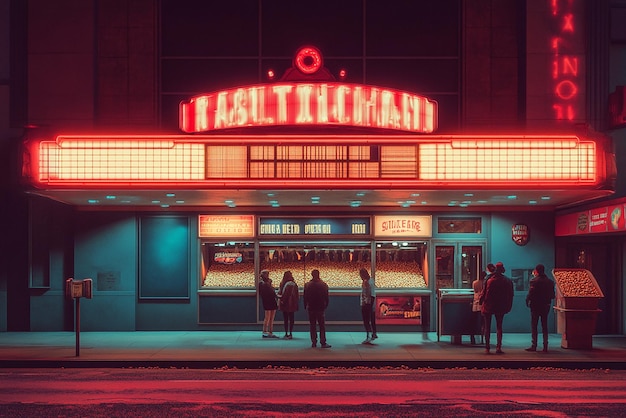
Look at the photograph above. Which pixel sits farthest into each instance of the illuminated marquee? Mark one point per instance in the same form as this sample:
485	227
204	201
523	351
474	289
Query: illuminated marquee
327	103
297	161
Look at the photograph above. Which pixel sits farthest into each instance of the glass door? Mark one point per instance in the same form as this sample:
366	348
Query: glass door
457	265
444	266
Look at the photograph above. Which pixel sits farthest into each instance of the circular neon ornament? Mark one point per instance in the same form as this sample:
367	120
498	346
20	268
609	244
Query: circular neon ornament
308	60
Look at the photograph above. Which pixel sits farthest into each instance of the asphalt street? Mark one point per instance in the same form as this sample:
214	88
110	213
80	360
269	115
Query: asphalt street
312	392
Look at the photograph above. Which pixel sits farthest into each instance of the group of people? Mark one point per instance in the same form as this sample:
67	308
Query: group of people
316	297
493	297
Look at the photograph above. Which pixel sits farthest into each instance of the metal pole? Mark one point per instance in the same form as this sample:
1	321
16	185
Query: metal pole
77	326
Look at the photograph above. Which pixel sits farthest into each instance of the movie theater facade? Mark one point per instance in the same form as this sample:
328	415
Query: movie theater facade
305	171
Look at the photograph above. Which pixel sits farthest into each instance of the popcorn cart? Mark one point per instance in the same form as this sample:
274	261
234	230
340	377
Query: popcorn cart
576	307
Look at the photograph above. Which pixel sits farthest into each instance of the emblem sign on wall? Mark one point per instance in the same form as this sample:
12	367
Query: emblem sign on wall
520	233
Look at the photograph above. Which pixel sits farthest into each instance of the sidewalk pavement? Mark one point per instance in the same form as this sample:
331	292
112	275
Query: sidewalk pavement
246	349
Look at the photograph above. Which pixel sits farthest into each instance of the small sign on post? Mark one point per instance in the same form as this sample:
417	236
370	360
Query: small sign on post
76	289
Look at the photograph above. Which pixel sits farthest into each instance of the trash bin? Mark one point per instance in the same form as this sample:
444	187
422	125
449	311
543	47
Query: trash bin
455	317
576	307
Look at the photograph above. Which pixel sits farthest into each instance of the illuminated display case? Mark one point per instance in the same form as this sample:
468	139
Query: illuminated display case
231	265
228	265
398	265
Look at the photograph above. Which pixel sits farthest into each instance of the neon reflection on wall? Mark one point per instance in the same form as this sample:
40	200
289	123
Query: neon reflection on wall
565	65
308	103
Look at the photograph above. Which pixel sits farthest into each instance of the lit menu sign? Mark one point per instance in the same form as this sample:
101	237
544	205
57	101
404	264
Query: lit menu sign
403	226
597	220
314	226
217	226
328	103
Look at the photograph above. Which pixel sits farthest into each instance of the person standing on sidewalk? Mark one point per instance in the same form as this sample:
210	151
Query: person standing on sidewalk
478	322
268	299
316	302
498	301
368	297
539	300
289	297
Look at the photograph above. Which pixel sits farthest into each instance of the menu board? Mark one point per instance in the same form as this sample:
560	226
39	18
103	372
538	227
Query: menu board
314	226
597	220
231	226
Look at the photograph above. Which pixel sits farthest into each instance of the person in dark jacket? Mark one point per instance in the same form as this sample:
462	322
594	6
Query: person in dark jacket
316	302
268	299
289	296
498	301
539	300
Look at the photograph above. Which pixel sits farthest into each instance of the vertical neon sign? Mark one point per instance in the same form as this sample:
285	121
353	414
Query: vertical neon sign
567	66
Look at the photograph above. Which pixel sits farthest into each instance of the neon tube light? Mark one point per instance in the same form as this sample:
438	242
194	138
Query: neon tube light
302	161
309	104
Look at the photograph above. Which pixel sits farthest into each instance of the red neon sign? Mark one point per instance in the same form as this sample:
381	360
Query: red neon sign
309	103
308	60
565	69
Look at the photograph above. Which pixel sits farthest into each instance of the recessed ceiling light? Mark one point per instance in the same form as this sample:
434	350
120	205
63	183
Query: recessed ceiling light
156	201
271	194
511	197
415	194
93	201
468	194
111	197
532	202
165	205
360	194
545	197
424	202
275	205
170	194
355	203
180	202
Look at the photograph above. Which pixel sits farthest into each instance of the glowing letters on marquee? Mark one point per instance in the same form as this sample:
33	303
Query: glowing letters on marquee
309	104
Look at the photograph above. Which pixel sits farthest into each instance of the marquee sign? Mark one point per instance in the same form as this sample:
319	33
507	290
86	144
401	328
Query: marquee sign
309	103
308	95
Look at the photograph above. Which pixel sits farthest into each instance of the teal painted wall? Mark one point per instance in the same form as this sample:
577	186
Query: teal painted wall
178	246
105	250
540	249
51	264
